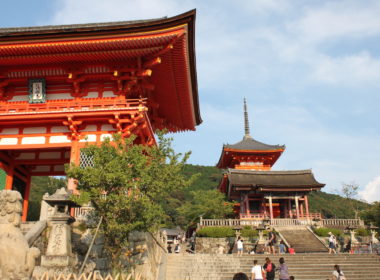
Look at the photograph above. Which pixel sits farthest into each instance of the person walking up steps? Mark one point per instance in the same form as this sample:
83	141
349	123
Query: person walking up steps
270	269
283	270
257	271
332	243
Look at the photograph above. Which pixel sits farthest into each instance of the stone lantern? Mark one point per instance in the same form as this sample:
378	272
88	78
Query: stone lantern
373	229
351	230
261	229
59	251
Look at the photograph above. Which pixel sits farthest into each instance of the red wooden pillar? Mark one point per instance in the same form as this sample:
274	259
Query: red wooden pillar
26	198
270	208
264	205
307	206
297	207
247	205
301	208
9	178
290	209
74	158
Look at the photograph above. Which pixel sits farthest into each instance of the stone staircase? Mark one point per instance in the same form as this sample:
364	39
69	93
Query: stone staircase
302	266
302	240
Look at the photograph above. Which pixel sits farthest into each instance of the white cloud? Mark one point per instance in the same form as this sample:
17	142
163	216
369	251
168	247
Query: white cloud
336	20
371	191
84	11
355	69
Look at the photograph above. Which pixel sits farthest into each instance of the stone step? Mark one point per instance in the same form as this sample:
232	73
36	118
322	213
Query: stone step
302	266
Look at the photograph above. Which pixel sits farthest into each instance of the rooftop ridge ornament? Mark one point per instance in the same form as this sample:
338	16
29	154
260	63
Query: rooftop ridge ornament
246	121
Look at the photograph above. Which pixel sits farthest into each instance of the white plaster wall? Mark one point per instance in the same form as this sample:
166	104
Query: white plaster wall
91	127
9	131
56	129
105	136
107	127
50	155
42	168
34	130
59	168
57	96
89	138
19	98
8	141
27	156
33	140
59	139
92	94
108	93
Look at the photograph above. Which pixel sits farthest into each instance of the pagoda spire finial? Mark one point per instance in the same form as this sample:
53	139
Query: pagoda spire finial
246	122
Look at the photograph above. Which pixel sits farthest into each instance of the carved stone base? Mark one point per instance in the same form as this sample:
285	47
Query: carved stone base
57	261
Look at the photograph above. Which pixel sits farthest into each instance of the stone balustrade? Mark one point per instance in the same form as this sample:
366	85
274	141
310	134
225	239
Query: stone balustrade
279	222
342	222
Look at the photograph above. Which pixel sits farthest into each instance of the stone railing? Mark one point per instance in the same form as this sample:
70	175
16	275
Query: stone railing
342	222
252	216
279	222
83	213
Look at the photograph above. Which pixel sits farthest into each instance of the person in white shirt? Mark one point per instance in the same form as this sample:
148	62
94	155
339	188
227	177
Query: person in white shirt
337	273
257	271
239	244
332	243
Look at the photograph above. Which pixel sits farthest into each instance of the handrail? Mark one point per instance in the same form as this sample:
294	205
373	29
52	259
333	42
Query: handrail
64	105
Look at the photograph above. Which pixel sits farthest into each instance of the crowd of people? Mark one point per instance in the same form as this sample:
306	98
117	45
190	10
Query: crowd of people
269	270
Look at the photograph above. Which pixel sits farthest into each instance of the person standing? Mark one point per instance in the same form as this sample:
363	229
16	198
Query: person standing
240	246
282	247
283	270
332	243
257	271
269	269
337	273
272	242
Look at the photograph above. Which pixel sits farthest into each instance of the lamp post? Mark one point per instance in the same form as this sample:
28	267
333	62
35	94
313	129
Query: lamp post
59	251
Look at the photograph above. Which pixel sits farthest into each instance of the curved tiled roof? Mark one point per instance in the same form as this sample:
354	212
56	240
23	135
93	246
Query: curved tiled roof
248	143
294	178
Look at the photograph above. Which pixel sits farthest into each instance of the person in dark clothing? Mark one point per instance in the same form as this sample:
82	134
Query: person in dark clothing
269	269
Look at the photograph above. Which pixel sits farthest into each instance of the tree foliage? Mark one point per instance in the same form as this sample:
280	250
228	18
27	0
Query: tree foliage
40	186
372	215
209	204
127	185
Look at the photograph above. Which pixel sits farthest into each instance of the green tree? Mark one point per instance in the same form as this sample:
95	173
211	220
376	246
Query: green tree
126	185
40	186
372	215
210	204
350	192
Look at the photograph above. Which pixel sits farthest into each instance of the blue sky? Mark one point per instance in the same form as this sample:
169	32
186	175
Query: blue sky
310	71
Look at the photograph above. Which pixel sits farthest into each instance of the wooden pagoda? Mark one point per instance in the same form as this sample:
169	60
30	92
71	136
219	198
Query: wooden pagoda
63	86
261	192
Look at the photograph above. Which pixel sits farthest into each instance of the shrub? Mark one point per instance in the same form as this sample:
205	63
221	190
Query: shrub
249	232
216	232
363	232
324	232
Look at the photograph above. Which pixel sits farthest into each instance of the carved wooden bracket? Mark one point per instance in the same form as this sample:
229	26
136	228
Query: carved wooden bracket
73	127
